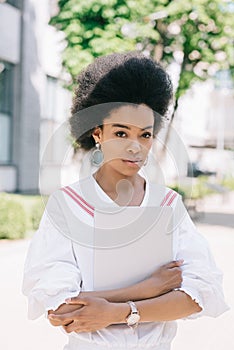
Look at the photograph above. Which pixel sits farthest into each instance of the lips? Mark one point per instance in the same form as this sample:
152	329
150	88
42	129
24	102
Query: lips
132	162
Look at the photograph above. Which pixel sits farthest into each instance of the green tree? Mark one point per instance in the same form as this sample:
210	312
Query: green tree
97	27
197	34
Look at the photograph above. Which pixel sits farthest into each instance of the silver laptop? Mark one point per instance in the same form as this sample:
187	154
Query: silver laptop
130	243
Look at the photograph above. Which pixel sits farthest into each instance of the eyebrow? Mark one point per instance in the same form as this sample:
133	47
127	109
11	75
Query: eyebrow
127	127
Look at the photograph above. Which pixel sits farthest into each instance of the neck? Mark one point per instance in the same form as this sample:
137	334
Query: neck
119	187
108	179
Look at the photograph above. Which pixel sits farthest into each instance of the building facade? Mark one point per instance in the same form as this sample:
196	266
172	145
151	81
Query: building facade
33	102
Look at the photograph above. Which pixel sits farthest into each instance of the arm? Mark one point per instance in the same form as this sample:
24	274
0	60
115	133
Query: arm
51	273
202	280
167	307
164	279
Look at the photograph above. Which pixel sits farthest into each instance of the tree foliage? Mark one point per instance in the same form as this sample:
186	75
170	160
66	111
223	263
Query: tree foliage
197	34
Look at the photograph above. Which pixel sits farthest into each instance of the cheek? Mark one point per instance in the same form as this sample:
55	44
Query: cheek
113	149
146	146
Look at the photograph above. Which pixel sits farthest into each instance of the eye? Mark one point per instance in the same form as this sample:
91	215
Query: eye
147	135
120	134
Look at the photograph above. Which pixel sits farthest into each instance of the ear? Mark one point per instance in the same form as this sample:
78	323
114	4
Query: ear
97	134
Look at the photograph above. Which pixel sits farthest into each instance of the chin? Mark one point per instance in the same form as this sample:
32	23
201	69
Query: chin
128	172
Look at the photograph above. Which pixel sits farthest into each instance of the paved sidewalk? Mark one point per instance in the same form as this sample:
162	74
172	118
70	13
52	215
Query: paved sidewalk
17	332
216	223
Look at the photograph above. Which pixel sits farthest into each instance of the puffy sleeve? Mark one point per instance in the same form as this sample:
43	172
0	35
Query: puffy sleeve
51	273
202	280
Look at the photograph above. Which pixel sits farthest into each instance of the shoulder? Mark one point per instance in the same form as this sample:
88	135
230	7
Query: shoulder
74	196
163	195
73	188
78	185
170	198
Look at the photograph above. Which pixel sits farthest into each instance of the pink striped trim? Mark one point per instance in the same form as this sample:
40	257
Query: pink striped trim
166	198
172	199
79	200
169	198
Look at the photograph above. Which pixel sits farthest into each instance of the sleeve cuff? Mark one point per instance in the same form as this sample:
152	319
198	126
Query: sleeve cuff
194	296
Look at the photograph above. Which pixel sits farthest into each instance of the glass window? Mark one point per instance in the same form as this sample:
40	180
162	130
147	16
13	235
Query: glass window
51	98
6	92
57	101
4	138
12	2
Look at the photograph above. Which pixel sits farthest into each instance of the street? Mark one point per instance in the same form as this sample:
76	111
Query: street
17	332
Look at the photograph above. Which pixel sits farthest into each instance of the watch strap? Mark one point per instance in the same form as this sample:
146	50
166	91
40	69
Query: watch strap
134	316
133	307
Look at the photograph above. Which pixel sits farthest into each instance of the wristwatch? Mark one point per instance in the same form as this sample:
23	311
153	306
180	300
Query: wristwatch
134	317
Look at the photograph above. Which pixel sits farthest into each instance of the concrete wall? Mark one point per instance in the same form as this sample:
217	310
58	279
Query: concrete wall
34	47
10	27
10	36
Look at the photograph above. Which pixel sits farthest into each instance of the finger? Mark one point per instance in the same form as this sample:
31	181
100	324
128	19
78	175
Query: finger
73	299
55	323
176	271
85	330
174	263
77	300
65	318
65	327
62	317
72	327
58	323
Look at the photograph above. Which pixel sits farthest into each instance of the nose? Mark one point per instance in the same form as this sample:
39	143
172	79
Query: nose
134	147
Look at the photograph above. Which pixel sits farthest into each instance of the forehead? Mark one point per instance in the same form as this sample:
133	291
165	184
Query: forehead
138	115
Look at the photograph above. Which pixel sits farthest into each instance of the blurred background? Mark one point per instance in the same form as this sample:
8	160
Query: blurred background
43	46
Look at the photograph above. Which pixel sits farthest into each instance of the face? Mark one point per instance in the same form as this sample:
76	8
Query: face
126	138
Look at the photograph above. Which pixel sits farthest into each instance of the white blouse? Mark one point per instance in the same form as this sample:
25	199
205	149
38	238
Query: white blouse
59	264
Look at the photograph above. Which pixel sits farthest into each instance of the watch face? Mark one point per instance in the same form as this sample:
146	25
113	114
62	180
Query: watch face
133	319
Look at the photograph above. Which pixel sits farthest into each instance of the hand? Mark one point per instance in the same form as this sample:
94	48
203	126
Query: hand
95	313
166	278
62	309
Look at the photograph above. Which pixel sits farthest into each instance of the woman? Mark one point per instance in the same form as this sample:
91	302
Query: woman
117	111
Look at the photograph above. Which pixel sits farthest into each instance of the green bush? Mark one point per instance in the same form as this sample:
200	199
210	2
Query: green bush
36	213
228	182
201	187
198	189
13	220
25	211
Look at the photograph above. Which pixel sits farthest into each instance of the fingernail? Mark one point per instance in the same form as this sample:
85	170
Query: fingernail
67	301
181	261
51	316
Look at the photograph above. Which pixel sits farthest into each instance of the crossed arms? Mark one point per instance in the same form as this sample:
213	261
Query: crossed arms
155	297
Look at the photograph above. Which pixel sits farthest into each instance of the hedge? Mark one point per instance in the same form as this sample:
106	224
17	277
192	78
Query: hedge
19	215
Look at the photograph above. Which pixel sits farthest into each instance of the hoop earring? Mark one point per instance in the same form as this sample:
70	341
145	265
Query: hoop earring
97	155
146	161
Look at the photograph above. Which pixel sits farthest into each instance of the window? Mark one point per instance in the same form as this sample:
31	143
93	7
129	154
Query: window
6	76
12	2
56	100
51	98
55	109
